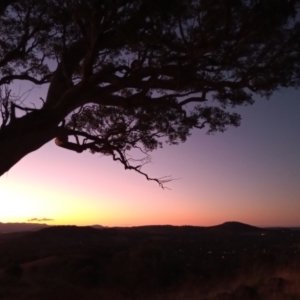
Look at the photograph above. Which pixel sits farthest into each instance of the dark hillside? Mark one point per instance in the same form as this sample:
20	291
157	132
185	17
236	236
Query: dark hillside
148	261
16	227
237	227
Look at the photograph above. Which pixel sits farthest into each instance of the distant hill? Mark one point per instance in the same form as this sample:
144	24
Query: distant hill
67	232
15	227
19	227
97	226
236	227
86	240
233	227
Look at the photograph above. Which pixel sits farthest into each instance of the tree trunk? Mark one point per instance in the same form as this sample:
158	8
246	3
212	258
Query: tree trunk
26	134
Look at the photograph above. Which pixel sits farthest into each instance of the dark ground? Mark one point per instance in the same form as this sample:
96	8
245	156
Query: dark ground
230	261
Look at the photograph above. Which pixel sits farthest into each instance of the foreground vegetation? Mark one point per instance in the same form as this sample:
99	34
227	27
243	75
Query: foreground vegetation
230	261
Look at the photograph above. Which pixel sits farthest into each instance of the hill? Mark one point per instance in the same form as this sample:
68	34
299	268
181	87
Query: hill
20	227
237	227
228	261
15	227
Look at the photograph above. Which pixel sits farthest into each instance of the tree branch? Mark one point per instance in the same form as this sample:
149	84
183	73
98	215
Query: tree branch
105	148
122	159
8	79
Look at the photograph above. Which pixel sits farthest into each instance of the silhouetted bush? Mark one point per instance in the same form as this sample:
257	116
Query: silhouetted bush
14	271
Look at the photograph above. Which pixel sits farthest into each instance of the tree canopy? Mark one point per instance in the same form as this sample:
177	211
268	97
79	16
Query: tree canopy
125	75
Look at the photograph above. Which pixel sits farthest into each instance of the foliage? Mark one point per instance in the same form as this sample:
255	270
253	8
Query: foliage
127	75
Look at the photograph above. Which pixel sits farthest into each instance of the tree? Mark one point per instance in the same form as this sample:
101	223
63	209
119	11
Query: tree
130	75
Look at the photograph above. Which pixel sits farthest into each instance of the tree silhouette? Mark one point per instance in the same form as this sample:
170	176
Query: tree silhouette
125	75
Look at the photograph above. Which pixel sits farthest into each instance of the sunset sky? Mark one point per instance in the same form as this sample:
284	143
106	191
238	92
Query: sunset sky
249	174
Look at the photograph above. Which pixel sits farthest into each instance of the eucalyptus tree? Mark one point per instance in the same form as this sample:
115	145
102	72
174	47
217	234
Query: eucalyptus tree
124	75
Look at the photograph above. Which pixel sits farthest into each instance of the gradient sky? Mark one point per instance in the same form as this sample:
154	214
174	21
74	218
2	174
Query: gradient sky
249	174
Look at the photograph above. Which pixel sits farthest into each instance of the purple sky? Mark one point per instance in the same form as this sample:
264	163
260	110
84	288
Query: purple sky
249	174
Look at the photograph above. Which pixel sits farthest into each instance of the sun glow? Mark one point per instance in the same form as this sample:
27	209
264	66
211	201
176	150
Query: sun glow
29	201
16	205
